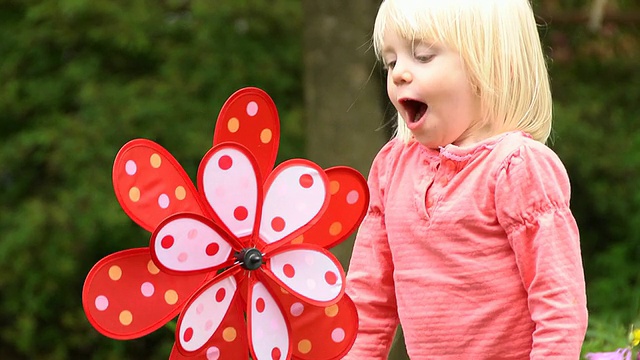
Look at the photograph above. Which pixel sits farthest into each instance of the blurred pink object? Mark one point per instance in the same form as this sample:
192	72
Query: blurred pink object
620	354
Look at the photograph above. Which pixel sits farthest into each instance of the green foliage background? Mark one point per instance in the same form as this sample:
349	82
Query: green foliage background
79	78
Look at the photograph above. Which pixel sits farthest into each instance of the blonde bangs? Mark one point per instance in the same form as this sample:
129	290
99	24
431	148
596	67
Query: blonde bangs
425	20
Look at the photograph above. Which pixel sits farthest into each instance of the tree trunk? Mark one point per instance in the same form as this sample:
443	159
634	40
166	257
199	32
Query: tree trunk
344	115
344	100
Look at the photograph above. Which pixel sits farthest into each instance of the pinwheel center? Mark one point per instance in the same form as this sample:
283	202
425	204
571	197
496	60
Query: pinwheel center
250	258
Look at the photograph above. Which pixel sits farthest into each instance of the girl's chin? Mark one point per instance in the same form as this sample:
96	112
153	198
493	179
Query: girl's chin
427	141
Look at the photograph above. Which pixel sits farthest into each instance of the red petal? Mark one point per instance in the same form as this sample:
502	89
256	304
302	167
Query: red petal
249	117
318	332
151	185
347	206
125	296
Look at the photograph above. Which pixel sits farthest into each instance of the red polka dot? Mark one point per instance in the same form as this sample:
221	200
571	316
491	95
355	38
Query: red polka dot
260	305
240	213
225	162
289	271
277	224
276	354
220	294
212	249
331	278
306	181
188	335
167	241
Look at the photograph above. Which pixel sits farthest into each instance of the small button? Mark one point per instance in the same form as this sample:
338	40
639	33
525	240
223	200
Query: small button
429	202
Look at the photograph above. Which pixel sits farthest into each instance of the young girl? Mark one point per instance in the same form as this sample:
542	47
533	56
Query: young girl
469	242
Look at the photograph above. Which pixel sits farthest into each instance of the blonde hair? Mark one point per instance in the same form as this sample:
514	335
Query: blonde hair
500	47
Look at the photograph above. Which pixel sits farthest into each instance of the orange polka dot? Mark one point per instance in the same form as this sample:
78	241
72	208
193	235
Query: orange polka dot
298	240
335	228
334	187
332	310
134	194
171	297
265	136
181	193
233	125
229	334
304	346
126	318
155	161
115	273
284	291
152	268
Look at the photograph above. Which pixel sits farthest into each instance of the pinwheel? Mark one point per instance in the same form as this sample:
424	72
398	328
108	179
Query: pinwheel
242	258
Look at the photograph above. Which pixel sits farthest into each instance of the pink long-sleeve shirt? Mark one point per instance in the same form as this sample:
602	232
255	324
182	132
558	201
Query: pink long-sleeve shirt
473	250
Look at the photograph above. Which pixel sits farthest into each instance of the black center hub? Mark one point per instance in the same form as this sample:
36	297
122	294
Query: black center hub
250	259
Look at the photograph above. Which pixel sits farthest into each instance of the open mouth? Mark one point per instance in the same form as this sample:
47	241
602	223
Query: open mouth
414	109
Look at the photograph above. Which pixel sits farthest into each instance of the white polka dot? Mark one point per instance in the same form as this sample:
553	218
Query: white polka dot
296	309
311	284
309	260
352	197
213	353
147	289
131	168
102	303
252	108
163	201
337	335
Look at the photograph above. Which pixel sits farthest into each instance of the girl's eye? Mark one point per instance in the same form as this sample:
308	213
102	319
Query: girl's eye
424	58
389	65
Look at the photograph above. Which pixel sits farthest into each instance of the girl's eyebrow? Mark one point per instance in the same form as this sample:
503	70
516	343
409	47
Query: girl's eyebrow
424	43
387	50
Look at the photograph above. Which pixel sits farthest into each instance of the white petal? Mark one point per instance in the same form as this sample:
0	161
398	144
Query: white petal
309	272
230	185
295	196
269	332
205	313
187	242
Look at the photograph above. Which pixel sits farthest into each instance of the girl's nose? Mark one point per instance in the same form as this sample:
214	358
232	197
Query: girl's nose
401	74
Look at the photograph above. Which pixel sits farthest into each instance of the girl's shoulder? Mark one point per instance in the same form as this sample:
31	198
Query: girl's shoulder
518	147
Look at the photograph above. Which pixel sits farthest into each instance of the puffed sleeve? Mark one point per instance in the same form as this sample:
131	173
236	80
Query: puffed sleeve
370	275
532	202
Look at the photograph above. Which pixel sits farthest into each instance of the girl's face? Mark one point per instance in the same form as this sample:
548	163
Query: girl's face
429	87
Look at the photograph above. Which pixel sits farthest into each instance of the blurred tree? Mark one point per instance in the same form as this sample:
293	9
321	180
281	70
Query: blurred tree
79	79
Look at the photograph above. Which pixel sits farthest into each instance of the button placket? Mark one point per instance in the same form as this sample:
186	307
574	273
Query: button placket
423	199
